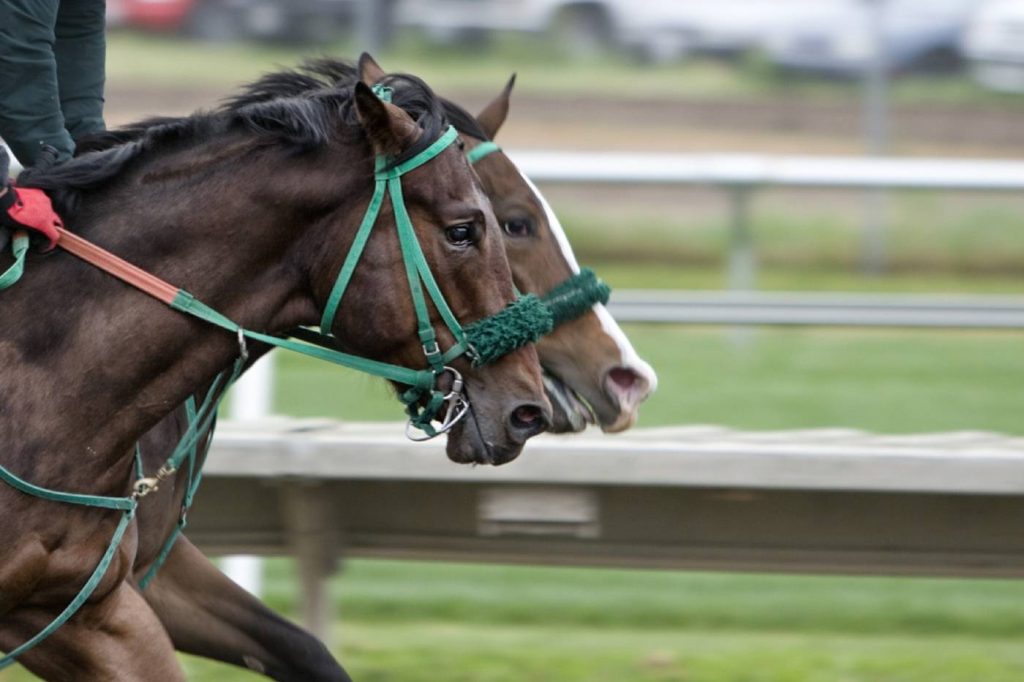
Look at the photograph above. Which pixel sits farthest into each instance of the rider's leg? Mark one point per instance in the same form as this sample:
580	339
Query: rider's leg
30	114
80	51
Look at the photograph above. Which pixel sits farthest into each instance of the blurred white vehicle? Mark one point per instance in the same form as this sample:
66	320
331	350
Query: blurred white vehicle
832	37
660	30
994	45
581	26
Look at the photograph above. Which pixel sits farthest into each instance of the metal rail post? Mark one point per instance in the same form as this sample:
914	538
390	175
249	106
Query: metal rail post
742	265
876	132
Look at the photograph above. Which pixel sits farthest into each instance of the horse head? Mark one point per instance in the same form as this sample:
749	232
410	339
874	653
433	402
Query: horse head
462	244
253	208
591	371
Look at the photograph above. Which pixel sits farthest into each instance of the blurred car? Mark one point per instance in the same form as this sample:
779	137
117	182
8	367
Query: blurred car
730	27
582	26
833	37
994	45
657	29
224	20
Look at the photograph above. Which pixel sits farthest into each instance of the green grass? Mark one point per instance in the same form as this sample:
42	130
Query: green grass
506	623
426	652
420	622
886	381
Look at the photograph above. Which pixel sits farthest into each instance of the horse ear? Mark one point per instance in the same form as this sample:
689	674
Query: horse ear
389	129
370	71
493	115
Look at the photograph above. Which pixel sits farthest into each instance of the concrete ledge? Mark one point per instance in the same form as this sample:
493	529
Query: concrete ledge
964	462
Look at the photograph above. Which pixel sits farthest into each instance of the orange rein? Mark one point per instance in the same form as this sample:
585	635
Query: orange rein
116	266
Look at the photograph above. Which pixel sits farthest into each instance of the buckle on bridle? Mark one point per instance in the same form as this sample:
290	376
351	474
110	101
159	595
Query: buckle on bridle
433	351
456	407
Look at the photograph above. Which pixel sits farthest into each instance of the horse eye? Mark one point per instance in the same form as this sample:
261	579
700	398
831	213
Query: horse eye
461	234
517	227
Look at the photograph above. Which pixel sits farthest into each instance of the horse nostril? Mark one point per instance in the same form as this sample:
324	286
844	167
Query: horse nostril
623	377
529	420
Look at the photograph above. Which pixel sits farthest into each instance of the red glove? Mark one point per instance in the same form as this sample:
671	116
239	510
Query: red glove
23	207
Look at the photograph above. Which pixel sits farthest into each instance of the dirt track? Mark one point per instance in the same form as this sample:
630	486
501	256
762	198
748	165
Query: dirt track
773	124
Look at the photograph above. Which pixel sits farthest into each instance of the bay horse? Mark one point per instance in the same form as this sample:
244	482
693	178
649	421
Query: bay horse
591	371
252	208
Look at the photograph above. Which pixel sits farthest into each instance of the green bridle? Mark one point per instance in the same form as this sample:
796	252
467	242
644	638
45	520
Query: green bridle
523	321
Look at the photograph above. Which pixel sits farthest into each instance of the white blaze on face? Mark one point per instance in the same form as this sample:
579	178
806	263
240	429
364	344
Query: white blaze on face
629	356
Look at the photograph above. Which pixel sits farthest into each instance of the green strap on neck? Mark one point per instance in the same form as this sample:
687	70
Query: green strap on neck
19	247
103	502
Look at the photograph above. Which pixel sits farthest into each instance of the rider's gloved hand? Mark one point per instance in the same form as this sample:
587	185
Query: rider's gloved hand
28	209
23	208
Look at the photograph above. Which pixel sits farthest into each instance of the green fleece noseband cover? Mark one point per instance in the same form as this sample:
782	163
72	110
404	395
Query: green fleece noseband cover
575	296
521	322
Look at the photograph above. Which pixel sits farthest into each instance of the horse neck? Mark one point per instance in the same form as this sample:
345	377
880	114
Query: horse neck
90	364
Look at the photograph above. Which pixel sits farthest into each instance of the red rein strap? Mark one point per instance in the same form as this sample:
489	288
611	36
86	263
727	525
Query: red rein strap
118	267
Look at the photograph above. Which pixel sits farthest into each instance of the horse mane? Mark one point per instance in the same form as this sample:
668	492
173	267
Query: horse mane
328	72
295	109
312	75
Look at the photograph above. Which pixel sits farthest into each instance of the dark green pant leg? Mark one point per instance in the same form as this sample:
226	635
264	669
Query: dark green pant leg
81	52
30	114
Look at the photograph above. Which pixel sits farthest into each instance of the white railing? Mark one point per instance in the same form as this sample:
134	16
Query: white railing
698	497
735	308
744	171
742	174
